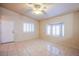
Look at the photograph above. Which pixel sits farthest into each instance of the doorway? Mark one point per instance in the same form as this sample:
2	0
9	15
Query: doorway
7	31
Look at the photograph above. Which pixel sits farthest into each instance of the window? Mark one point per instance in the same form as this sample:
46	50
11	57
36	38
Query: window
55	29
28	27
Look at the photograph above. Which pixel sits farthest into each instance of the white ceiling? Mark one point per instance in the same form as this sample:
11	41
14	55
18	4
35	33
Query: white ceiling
54	9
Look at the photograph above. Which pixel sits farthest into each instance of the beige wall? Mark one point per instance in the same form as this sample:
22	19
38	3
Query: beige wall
71	28
18	25
0	23
76	28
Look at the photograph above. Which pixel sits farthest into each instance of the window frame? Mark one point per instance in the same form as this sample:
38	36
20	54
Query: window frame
61	30
28	27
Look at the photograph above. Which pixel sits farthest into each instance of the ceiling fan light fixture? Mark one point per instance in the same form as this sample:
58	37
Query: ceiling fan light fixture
37	8
37	12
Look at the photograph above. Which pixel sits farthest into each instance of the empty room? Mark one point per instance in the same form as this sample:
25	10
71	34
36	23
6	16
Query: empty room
39	29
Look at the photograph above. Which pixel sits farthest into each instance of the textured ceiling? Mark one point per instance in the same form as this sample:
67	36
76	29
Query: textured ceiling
53	9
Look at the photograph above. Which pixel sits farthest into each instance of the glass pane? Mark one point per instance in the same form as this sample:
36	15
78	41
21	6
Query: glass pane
54	30
48	30
24	27
27	27
32	28
58	30
62	29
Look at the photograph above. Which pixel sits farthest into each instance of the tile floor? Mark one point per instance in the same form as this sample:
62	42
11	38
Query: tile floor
36	48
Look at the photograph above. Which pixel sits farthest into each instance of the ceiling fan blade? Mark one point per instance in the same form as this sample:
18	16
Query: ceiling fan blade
44	12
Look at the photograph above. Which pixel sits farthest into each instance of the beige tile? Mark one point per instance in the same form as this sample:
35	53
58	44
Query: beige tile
3	49
36	48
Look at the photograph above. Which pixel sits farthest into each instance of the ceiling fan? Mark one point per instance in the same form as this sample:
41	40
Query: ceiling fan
37	8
